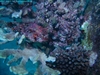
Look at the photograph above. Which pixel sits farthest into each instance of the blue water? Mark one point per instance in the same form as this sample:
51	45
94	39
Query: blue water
4	69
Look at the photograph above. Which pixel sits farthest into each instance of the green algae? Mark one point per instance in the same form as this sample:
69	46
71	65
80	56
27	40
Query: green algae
86	42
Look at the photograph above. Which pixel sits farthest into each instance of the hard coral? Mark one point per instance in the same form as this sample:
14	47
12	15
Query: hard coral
5	37
33	54
56	23
17	14
73	61
24	54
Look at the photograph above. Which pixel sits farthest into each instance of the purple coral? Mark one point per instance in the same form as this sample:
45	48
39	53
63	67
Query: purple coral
32	31
56	26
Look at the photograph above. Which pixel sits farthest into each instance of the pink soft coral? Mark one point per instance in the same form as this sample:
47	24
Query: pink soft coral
32	31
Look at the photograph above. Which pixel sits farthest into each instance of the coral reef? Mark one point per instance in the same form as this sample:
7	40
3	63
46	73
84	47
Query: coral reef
87	43
33	54
95	28
73	61
17	14
32	31
62	35
5	37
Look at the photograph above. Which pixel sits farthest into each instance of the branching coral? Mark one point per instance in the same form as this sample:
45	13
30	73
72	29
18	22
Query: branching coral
32	31
5	37
33	54
5	11
17	14
57	18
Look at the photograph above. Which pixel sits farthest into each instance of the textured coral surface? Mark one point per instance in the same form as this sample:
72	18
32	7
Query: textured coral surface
61	37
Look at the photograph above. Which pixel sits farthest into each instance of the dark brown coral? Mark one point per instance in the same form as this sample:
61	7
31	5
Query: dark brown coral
73	61
95	37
